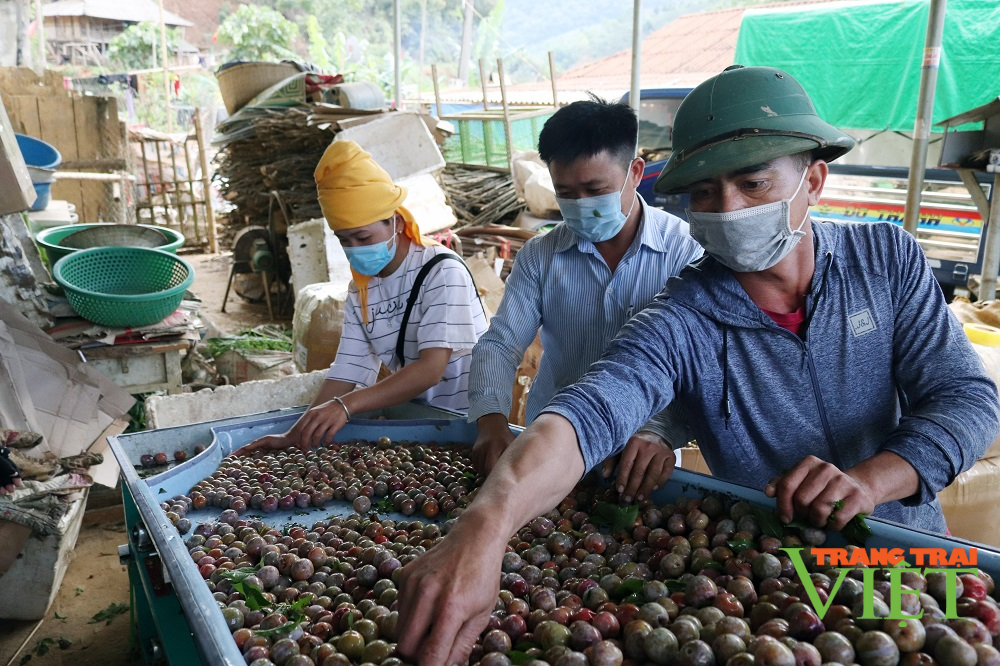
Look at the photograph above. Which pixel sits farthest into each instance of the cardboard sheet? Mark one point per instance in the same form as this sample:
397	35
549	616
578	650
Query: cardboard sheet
50	389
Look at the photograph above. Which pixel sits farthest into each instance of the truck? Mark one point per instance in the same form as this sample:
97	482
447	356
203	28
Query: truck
950	226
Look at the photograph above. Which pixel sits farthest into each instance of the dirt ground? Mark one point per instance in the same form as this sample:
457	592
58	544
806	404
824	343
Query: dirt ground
211	275
95	580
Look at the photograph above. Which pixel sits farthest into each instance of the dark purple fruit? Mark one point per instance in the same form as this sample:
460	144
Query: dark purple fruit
954	651
877	648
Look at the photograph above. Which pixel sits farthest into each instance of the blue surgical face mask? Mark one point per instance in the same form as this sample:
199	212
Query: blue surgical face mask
752	239
371	259
596	219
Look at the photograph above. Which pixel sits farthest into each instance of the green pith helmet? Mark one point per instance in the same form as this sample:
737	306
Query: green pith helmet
741	117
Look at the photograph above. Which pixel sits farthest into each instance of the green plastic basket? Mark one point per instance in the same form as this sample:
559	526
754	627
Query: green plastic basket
124	287
50	240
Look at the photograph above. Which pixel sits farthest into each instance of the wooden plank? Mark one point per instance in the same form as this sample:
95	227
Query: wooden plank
24	116
87	123
55	115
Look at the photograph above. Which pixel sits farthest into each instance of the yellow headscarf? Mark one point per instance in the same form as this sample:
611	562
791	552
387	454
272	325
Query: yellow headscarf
353	192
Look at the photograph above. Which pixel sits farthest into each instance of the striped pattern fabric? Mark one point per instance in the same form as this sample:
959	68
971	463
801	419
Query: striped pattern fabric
447	313
561	285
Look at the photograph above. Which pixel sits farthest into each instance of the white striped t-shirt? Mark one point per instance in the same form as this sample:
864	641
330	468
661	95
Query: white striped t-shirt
447	313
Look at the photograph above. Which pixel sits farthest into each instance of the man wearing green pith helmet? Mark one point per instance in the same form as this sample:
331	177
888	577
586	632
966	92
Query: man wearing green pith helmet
816	361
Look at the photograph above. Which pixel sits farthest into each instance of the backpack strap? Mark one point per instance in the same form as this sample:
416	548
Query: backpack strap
418	282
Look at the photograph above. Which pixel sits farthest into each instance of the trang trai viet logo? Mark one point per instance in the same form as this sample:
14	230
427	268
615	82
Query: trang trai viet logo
929	560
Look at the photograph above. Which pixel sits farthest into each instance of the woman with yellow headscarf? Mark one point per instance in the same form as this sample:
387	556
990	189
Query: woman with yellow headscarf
398	276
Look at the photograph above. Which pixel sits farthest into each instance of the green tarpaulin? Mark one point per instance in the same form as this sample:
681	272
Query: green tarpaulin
861	61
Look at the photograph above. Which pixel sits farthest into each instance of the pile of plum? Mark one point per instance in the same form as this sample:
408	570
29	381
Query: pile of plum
696	582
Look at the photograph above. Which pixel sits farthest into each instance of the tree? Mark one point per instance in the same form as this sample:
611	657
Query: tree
138	47
258	33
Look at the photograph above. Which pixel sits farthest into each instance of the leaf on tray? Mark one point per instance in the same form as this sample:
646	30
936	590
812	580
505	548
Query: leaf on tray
276	631
615	517
739	545
59	616
631	586
857	530
768	522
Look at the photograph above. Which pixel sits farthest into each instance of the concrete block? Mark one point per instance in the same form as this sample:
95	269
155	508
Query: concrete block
163	411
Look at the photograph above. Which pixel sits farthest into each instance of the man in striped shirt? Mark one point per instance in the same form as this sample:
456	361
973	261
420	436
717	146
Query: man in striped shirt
429	351
580	283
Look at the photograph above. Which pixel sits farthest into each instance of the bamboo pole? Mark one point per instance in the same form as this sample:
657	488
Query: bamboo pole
213	241
506	116
482	83
552	78
437	92
166	69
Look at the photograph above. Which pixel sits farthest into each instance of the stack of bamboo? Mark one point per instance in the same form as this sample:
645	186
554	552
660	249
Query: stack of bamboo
279	155
479	195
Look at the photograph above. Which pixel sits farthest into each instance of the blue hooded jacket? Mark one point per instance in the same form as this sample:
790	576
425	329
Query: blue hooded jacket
884	366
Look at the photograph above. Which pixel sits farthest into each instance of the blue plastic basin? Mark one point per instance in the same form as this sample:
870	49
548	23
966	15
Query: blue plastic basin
37	153
42	193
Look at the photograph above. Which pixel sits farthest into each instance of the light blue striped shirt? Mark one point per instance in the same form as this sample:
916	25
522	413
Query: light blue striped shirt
561	284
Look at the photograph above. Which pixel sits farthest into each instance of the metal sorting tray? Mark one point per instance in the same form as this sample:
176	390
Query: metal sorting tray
204	619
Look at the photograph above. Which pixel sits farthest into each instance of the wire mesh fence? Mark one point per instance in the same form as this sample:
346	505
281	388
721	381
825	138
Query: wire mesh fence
481	136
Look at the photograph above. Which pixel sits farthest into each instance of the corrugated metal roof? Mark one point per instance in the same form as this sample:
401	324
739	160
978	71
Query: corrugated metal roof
133	11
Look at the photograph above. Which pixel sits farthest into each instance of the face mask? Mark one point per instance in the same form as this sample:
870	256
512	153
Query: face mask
749	240
371	259
595	218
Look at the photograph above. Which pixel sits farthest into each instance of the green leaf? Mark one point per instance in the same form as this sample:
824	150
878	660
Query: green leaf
239	575
59	616
524	646
712	564
277	631
43	645
384	505
253	595
739	545
616	517
857	530
468	475
675	585
518	657
798	525
109	613
64	642
630	586
768	522
79	591
634	599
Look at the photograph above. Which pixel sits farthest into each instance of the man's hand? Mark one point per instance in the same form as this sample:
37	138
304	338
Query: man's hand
493	439
448	593
815	489
646	464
